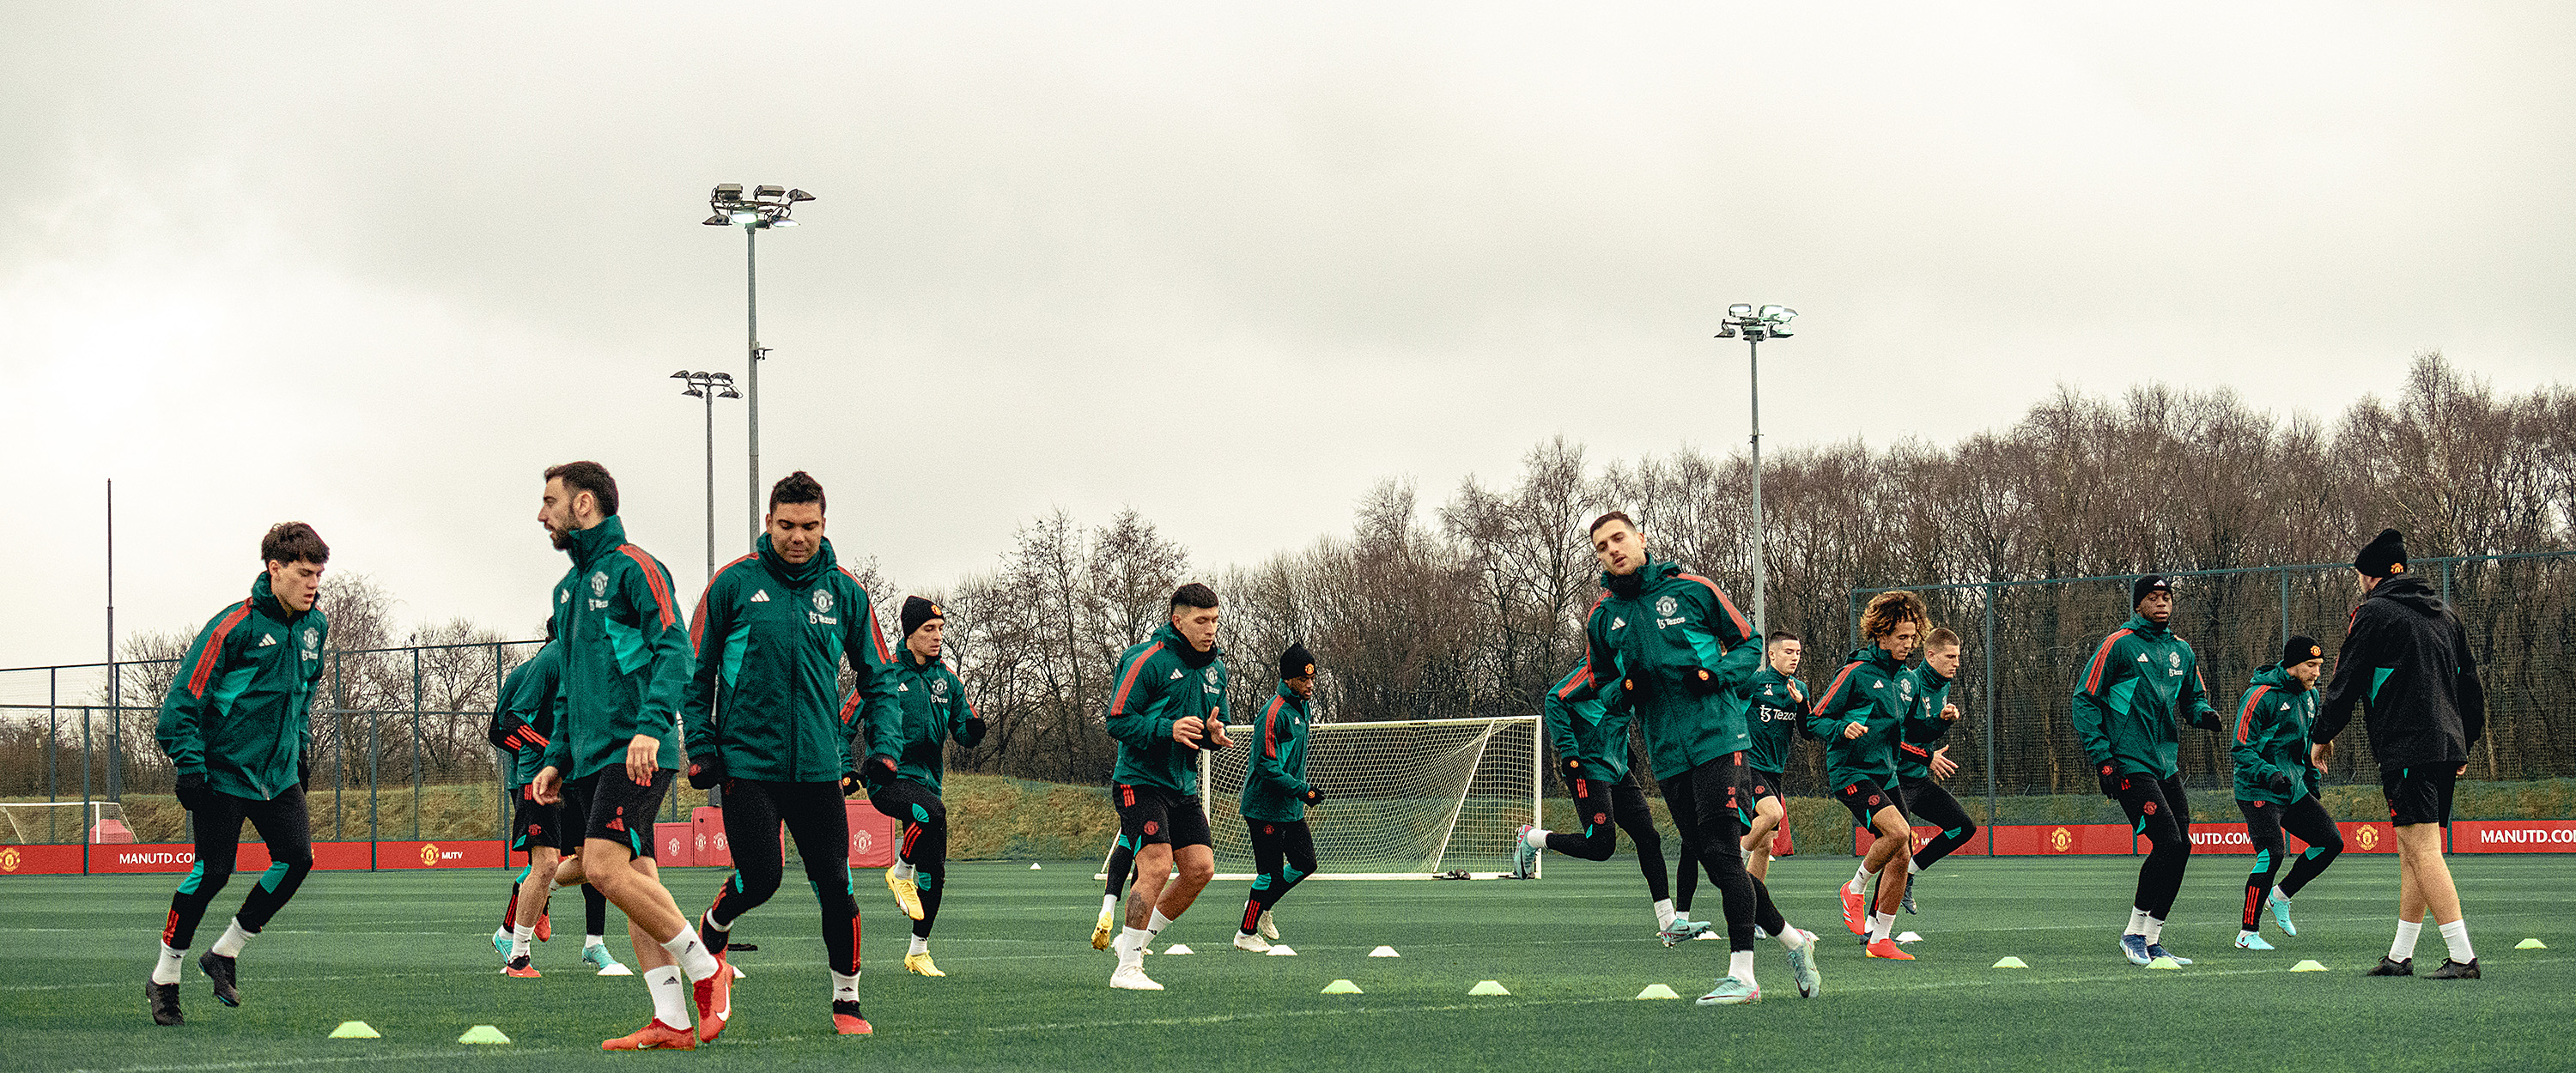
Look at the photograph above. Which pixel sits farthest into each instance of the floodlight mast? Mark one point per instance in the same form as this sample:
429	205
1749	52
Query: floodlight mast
767	207
1756	325
709	387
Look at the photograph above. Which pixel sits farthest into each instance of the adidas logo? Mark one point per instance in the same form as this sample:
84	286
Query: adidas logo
907	688
267	639
1176	676
2285	705
760	597
2143	659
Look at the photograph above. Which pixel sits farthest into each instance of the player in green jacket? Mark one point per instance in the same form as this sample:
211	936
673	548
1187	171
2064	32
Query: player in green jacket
1676	651
766	722
2127	695
1591	742
234	727
616	743
1779	719
927	710
1860	716
1275	796
1166	703
1921	762
522	722
2276	784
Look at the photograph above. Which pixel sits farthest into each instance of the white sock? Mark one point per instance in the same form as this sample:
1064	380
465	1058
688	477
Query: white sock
2155	930
1879	923
707	920
1108	903
1130	945
501	933
230	945
1664	914
1740	965
588	941
2242	933
920	945
1535	839
1860	875
2137	922
904	870
670	999
1791	938
1913	867
2279	898
845	988
165	969
691	955
1156	925
520	937
2404	948
2456	934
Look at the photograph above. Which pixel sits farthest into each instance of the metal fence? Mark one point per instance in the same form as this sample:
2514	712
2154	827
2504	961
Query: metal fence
399	750
2023	641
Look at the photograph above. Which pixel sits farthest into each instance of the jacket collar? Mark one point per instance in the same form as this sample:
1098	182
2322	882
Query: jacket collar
1930	677
1290	695
1180	646
264	600
795	575
587	545
2147	627
1649	572
2277	677
1877	656
906	658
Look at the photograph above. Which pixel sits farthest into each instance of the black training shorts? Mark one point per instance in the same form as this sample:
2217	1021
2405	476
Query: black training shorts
1864	798
1150	814
535	826
620	809
2418	794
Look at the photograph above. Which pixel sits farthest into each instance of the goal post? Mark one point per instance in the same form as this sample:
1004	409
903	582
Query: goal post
1404	799
31	823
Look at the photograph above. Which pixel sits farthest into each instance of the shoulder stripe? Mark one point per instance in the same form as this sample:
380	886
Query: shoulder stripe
1825	706
1270	728
2093	677
1580	678
2243	718
1743	628
214	650
698	622
653	580
1128	680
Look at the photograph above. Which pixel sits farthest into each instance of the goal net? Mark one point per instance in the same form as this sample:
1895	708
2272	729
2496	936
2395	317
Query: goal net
36	823
1403	800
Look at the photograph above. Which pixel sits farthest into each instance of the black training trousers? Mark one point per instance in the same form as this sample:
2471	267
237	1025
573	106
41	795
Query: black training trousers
2158	811
1703	803
814	815
282	822
1283	852
1604	809
2264	822
925	841
1925	800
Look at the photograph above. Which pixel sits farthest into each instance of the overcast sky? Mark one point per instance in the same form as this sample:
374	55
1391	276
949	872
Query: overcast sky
374	266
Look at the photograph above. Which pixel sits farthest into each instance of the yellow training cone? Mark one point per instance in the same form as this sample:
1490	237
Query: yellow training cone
1657	991
2012	963
1389	952
1488	987
483	1034
2531	944
1341	987
2308	966
354	1030
2164	963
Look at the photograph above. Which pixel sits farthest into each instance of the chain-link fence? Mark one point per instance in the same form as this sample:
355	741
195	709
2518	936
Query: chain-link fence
2023	642
399	748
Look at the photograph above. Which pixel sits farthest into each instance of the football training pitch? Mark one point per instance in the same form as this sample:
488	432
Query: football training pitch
409	953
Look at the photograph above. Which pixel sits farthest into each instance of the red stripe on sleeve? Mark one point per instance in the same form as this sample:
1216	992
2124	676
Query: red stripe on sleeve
214	650
1270	728
1826	706
2245	717
1119	702
1742	628
655	582
1580	679
2093	678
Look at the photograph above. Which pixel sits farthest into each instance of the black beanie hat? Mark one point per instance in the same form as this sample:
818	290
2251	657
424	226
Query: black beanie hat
1296	662
2301	649
2139	589
917	611
2384	556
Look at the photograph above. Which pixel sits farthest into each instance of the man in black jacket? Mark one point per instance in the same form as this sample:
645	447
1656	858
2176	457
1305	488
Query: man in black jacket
2407	661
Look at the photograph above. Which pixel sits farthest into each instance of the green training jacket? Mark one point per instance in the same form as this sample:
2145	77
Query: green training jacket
769	637
1157	683
1649	635
1277	776
626	655
1583	725
1923	728
531	702
2128	694
236	710
1871	690
927	708
2272	724
1779	717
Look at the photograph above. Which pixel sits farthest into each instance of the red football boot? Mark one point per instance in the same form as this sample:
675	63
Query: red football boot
653	1037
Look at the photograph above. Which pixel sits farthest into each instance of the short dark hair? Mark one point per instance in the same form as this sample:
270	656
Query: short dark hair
1778	636
797	487
588	477
1941	636
1613	516
293	542
1194	595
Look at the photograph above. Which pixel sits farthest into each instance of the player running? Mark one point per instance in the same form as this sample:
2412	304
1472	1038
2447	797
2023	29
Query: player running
1168	704
1779	719
928	709
1920	765
1275	796
234	727
2276	785
1859	717
2407	661
1674	648
626	673
765	722
2127	696
531	699
1591	738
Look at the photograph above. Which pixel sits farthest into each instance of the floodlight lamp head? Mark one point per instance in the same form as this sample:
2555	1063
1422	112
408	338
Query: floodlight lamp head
716	220
727	192
1739	309
721	378
781	221
799	195
1770	313
730	393
1783	315
768	191
694	392
745	216
1726	332
682	375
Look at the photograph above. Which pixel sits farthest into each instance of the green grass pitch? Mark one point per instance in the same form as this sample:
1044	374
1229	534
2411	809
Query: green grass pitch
409	954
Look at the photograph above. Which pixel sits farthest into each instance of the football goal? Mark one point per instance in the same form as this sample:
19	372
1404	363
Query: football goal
1412	799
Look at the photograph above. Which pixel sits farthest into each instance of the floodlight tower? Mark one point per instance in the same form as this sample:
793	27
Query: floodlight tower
710	387
1756	325
767	207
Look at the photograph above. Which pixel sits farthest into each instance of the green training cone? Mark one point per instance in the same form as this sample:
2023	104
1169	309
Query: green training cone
2531	944
354	1030
2308	966
1657	991
1488	987
2164	963
2012	963
1341	987
483	1034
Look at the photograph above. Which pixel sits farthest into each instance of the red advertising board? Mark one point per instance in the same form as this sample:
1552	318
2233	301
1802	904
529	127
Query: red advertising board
675	845
485	853
2231	838
873	835
250	857
707	841
39	860
2513	836
2067	839
1862	837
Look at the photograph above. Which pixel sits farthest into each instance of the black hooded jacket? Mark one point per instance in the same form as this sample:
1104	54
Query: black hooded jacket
2407	662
